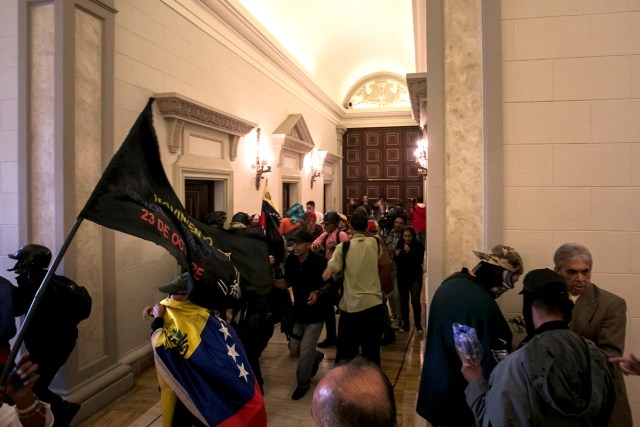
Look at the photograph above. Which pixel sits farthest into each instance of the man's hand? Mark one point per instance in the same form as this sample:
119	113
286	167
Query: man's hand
470	372
630	364
147	312
313	297
27	371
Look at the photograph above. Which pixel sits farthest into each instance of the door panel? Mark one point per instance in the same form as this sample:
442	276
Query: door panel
198	195
380	162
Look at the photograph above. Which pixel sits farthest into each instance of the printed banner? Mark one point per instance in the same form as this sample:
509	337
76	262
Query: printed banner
135	197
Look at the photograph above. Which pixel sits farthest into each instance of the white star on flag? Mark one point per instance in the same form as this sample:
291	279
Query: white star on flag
232	351
243	372
225	331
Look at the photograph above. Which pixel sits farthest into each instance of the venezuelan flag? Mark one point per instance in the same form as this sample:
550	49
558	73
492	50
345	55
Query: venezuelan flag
202	360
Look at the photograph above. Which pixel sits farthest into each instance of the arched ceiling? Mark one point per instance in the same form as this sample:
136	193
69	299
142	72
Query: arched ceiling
338	42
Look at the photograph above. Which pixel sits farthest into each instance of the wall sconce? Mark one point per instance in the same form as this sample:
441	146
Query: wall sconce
262	166
317	164
422	156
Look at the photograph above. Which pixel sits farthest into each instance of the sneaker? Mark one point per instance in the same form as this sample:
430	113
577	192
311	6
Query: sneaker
299	393
327	343
316	363
401	331
419	329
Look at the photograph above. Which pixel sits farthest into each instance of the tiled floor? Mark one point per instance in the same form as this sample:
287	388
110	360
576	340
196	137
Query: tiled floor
401	362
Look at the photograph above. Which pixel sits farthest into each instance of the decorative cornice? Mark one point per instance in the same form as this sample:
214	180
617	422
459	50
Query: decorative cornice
332	158
179	109
417	84
294	136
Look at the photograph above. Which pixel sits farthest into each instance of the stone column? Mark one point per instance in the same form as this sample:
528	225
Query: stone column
464	131
67	87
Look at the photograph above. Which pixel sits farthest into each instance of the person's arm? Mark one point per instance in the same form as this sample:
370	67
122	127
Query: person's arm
317	244
630	364
30	411
315	295
610	339
158	319
334	265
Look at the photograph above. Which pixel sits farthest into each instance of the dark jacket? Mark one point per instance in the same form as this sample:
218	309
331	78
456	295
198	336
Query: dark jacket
558	379
409	264
459	299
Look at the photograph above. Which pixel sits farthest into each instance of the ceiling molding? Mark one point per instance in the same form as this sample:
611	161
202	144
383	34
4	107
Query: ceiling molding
253	32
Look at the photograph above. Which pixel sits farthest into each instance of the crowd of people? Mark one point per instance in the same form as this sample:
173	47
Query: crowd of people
568	370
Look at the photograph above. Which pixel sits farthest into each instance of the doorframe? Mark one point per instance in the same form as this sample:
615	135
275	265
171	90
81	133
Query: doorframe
183	173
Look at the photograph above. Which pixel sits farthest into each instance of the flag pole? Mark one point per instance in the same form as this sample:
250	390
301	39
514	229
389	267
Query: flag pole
36	301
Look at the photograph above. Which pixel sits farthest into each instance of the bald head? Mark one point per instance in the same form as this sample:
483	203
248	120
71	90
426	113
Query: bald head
357	393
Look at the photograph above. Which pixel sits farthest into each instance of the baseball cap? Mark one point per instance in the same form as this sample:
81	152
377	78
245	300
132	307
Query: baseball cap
536	280
179	284
503	256
309	214
303	236
331	217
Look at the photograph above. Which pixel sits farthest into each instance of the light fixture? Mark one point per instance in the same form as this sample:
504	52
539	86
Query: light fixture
262	165
317	164
422	156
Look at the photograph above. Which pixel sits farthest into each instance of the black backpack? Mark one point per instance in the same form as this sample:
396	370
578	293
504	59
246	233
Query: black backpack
74	300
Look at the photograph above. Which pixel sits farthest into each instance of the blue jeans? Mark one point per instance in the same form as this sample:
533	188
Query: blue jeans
305	349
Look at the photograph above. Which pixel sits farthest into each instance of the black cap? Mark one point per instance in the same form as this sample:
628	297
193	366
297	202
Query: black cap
535	280
215	218
179	284
303	236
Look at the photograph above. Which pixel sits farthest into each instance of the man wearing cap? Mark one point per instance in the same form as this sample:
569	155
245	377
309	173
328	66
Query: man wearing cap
598	315
325	244
53	331
361	311
195	352
468	298
303	273
556	379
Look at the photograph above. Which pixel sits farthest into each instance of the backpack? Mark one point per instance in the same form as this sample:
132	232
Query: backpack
75	301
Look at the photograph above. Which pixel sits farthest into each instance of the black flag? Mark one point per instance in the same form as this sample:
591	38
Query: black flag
270	220
135	197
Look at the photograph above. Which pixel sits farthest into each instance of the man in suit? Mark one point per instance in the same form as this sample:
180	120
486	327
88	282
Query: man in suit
598	315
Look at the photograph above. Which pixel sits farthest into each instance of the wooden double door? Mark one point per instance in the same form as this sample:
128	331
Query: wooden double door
381	162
